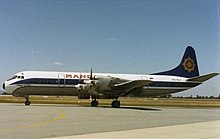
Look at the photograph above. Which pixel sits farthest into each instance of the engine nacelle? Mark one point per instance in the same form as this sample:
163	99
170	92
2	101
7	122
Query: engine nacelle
103	82
99	83
84	86
88	81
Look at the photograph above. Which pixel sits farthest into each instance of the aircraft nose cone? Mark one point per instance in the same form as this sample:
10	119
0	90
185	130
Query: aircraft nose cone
3	86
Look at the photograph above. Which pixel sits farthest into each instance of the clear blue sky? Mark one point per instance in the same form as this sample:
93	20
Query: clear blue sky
119	36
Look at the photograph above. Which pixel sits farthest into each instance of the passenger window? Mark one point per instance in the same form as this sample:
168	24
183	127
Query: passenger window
19	77
22	77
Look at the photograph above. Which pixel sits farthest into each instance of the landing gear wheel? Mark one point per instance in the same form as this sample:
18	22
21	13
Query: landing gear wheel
27	103
94	103
115	104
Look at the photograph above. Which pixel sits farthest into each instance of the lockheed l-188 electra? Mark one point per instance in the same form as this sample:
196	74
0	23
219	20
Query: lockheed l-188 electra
107	85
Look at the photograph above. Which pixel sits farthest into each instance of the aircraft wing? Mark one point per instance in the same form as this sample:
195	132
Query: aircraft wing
131	84
203	77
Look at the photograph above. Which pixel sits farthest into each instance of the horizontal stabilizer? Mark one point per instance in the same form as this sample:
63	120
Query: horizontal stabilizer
132	84
203	78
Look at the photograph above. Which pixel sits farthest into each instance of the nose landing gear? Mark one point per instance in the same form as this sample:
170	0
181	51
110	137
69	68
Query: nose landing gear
27	102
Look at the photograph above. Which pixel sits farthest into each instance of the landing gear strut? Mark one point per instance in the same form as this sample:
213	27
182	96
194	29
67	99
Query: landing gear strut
27	102
115	103
94	102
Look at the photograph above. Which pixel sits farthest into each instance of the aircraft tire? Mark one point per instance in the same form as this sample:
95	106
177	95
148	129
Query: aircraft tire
94	103
115	104
27	103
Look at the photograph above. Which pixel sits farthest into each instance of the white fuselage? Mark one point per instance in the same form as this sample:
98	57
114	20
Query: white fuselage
63	83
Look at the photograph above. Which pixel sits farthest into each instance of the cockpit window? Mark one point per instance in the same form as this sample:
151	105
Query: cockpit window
14	77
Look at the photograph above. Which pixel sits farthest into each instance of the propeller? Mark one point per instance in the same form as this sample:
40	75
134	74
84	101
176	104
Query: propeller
91	78
80	81
80	78
94	84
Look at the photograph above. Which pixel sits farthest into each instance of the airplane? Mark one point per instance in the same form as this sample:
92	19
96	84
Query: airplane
108	85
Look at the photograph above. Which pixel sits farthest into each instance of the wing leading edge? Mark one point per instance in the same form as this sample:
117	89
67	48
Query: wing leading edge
132	84
129	86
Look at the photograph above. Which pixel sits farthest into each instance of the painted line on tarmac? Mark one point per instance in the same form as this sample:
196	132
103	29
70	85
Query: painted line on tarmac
61	115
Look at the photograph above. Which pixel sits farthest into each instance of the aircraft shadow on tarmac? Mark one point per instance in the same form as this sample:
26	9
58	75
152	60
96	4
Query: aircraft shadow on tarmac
133	108
107	107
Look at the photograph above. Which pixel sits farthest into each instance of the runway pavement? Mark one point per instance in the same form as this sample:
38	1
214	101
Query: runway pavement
51	121
202	130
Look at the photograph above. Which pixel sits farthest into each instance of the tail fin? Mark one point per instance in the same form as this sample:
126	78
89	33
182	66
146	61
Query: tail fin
187	68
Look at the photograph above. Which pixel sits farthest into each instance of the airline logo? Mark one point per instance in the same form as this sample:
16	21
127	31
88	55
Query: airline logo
75	76
189	64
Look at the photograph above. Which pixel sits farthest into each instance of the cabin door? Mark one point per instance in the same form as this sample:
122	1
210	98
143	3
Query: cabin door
61	80
144	77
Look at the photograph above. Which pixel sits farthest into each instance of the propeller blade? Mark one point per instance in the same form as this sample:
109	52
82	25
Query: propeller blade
80	81
91	78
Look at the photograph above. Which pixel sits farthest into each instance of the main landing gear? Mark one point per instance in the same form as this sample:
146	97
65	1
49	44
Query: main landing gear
94	102
27	102
115	103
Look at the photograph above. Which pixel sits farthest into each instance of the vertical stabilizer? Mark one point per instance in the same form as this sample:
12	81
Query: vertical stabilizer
187	68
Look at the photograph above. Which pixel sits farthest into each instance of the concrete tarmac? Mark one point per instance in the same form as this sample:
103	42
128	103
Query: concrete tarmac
52	121
202	130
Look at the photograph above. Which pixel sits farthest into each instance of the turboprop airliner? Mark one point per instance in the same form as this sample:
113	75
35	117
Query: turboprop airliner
107	85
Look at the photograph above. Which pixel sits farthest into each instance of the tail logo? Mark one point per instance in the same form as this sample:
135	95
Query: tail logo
189	64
